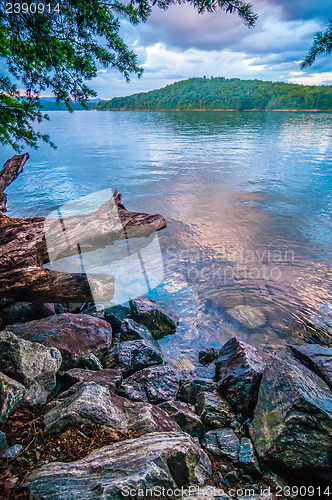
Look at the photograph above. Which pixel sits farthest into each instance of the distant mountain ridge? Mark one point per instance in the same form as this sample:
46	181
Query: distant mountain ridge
50	104
218	93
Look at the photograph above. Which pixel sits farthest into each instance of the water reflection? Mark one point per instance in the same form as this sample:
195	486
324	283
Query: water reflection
237	189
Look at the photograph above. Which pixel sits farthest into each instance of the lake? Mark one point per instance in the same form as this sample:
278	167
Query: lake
247	198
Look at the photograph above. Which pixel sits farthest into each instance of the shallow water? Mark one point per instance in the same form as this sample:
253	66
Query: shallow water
247	198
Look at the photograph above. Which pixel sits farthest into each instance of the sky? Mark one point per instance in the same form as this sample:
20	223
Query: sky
179	43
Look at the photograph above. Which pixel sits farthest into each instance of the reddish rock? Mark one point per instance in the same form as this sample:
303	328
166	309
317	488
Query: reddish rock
110	377
77	336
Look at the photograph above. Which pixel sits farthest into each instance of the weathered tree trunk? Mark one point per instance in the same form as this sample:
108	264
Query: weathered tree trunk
24	249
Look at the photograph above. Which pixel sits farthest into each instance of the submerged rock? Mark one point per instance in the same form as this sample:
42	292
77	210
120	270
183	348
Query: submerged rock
169	460
155	317
189	389
317	358
214	411
239	370
112	377
223	443
247	457
75	335
185	417
30	363
134	355
292	424
155	384
250	317
11	394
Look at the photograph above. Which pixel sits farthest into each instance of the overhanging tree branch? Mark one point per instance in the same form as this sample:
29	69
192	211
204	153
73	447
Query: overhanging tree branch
322	45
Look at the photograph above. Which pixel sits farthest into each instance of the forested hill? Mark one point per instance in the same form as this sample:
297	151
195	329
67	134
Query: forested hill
222	93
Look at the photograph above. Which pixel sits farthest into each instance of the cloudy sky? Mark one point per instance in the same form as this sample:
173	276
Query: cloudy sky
179	43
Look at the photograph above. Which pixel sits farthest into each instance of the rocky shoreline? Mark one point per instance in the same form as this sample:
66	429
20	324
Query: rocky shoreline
90	410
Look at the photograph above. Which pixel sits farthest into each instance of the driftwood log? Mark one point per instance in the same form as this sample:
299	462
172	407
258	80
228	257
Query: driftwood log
24	251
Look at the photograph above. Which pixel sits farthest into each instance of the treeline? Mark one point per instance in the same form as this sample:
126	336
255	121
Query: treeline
222	93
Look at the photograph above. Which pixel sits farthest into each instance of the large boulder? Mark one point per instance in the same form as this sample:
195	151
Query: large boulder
317	358
134	355
111	377
77	336
215	412
184	416
11	394
19	312
248	316
30	363
154	385
155	317
93	403
189	389
239	370
292	424
222	443
159	460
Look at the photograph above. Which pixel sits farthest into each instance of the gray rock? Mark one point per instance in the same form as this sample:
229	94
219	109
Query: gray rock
169	460
206	356
90	362
32	364
189	389
292	423
75	335
130	330
185	417
215	412
92	403
112	377
134	355
155	385
3	441
223	443
11	394
247	457
250	317
144	418
12	452
239	370
155	317
116	315
19	312
317	358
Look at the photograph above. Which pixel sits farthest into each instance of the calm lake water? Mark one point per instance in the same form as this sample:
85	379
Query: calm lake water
247	198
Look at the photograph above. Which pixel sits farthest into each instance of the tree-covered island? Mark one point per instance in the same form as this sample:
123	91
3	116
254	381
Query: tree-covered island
221	94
